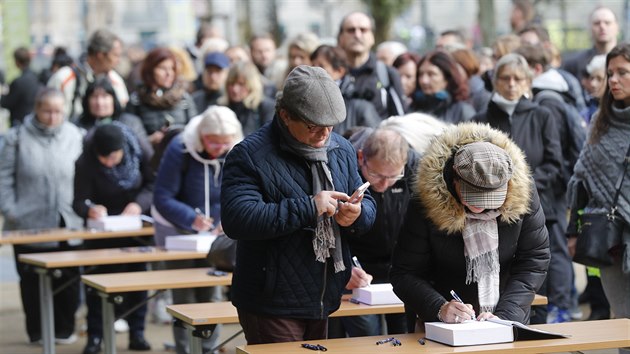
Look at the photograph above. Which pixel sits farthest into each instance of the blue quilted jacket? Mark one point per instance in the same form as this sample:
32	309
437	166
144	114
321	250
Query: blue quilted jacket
266	205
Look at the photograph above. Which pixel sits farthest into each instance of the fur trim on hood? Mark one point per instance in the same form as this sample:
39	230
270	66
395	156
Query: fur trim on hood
441	206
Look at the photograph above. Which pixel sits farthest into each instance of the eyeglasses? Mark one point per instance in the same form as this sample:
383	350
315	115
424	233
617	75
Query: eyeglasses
313	128
380	176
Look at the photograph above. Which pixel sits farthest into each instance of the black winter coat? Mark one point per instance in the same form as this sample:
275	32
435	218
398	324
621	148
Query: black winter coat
429	257
534	130
91	183
253	119
374	249
368	87
266	204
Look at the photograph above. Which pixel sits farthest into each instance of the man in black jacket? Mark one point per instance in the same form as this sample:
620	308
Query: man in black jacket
21	96
386	161
374	81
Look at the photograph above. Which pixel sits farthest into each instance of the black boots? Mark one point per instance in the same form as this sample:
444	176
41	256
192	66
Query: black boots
93	345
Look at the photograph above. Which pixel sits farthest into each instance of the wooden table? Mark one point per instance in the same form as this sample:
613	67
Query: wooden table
54	235
108	285
587	335
197	317
45	262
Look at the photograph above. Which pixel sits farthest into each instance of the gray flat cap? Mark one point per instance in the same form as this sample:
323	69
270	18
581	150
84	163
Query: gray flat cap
313	95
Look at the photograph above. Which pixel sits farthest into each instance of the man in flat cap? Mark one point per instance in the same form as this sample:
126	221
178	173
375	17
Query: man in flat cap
285	197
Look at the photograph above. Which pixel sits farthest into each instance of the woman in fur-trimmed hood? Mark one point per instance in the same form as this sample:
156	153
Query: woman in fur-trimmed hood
475	225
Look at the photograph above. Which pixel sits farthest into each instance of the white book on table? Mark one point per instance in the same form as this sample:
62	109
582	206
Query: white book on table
116	223
376	294
199	242
490	331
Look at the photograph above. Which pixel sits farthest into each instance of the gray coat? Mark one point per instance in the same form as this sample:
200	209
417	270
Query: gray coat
36	176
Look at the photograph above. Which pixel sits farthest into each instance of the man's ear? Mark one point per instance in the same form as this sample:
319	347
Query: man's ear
284	116
360	157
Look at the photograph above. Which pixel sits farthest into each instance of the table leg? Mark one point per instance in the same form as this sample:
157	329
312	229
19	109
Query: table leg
109	333
47	314
195	342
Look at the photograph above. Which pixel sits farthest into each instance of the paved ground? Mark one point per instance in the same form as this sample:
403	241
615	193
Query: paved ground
13	339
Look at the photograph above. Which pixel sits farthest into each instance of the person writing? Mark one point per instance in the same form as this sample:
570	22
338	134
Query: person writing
286	197
475	226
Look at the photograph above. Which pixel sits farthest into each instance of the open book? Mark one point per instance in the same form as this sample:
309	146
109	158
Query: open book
490	331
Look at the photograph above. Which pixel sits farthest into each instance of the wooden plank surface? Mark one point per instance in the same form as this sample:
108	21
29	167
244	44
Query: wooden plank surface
586	335
155	280
53	235
106	256
224	312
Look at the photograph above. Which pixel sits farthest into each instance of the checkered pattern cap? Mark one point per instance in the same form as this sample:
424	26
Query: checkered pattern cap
484	170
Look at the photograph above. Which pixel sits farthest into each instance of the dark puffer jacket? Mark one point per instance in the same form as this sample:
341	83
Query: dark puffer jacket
266	205
534	130
429	257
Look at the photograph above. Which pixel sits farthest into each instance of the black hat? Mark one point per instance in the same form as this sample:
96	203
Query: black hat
108	138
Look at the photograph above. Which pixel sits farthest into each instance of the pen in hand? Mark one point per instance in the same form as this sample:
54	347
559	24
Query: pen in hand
206	217
458	299
356	263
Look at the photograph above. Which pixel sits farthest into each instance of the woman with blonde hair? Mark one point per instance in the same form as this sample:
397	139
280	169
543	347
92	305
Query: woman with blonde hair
300	49
244	95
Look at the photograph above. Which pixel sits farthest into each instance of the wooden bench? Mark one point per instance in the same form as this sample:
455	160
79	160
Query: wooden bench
44	263
109	285
198	318
587	335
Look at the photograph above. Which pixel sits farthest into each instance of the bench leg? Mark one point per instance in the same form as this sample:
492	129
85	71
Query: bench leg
47	313
109	334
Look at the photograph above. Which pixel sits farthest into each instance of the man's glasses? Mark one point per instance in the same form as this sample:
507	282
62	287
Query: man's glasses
380	176
312	128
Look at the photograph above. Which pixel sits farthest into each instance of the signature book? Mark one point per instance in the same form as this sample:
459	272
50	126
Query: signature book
490	331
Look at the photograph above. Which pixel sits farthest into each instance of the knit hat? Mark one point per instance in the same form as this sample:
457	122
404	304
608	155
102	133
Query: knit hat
108	138
311	94
484	170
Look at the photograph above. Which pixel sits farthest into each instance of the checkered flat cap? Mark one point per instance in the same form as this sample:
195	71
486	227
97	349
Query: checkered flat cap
484	170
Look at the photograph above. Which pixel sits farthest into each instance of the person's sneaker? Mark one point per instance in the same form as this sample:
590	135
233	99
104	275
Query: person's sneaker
68	340
139	343
576	313
35	342
557	315
121	326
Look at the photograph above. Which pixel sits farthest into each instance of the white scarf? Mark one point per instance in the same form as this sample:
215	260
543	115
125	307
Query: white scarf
481	248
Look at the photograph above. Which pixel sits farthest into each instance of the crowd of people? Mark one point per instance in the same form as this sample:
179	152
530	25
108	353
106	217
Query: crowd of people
474	162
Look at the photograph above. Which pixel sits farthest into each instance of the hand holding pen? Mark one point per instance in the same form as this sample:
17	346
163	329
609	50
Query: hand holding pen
456	310
95	211
359	277
202	222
